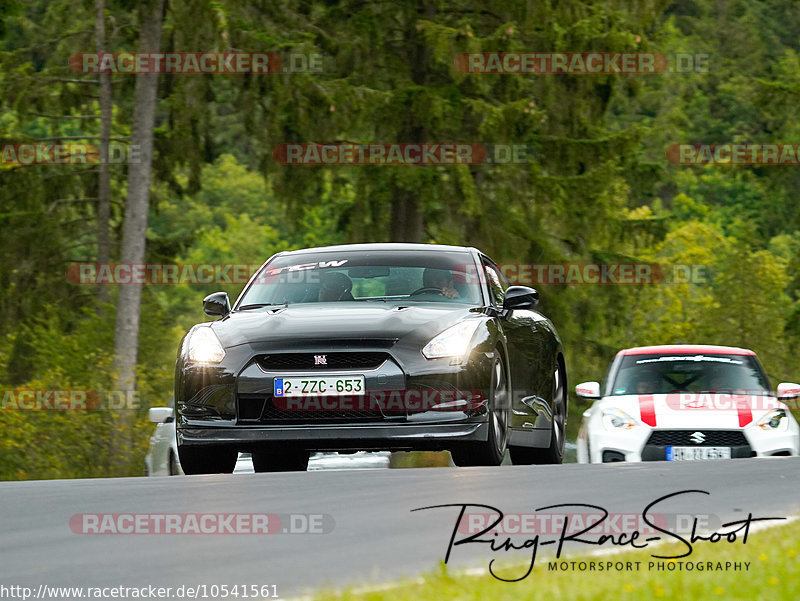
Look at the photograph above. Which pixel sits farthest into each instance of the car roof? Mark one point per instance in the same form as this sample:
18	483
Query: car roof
686	349
390	246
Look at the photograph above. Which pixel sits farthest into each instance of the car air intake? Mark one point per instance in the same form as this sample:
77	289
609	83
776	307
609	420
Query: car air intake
260	409
613	457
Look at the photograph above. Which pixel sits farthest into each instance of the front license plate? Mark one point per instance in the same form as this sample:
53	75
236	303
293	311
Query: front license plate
697	453
318	386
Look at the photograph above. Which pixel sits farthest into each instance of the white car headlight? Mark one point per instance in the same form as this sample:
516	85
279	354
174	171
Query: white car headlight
772	420
453	342
616	419
204	346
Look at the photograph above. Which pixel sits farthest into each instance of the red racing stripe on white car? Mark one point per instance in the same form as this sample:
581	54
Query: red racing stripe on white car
647	409
745	414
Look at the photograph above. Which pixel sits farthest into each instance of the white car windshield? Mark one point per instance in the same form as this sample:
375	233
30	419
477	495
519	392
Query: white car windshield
661	374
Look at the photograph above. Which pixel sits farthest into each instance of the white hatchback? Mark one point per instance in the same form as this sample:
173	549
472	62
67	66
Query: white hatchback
686	403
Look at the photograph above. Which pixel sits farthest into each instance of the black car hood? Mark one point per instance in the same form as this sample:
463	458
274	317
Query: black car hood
340	321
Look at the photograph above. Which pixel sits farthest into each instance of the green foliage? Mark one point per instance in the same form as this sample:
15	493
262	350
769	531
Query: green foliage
598	187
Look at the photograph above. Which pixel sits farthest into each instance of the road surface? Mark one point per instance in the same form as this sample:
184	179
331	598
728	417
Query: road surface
375	535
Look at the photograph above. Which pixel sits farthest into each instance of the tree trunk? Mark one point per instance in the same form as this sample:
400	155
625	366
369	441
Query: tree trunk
126	332
407	218
104	174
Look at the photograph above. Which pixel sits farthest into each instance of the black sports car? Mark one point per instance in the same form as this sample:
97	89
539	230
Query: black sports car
367	347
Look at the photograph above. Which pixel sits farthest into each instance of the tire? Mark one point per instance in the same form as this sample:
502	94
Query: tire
555	452
207	460
280	460
493	450
172	465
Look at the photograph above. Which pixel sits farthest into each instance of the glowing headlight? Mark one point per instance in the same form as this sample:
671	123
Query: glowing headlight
453	342
204	346
615	419
772	420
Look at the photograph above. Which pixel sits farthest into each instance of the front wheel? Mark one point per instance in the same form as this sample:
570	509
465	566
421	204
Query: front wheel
493	450
555	452
207	460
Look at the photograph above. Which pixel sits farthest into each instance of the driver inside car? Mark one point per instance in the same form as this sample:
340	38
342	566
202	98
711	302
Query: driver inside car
717	382
441	279
335	286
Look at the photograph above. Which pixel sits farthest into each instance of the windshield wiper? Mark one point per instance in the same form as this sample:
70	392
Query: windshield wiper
261	305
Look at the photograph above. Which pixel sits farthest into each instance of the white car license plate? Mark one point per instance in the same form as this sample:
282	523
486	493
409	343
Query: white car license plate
697	453
297	386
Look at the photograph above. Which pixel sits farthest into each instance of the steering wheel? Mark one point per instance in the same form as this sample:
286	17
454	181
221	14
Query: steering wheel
427	290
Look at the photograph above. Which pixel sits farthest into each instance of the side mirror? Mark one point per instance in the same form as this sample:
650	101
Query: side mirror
520	297
588	390
160	415
217	304
787	391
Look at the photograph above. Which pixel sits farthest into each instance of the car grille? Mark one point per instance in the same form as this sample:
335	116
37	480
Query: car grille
655	449
713	438
259	409
307	361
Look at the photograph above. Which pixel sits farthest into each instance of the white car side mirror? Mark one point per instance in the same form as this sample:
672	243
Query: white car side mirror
159	415
588	390
788	390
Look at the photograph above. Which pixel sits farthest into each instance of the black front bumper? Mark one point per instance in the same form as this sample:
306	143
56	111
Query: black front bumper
231	405
366	437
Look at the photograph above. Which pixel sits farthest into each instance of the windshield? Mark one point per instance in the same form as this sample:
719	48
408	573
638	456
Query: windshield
660	374
410	276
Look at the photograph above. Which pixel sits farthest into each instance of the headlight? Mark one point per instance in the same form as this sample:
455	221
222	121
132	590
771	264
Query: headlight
204	346
453	342
772	420
615	419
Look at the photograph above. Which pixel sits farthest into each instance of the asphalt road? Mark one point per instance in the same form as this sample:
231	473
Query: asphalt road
375	535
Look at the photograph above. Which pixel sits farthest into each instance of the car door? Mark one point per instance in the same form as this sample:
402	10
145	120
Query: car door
524	343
